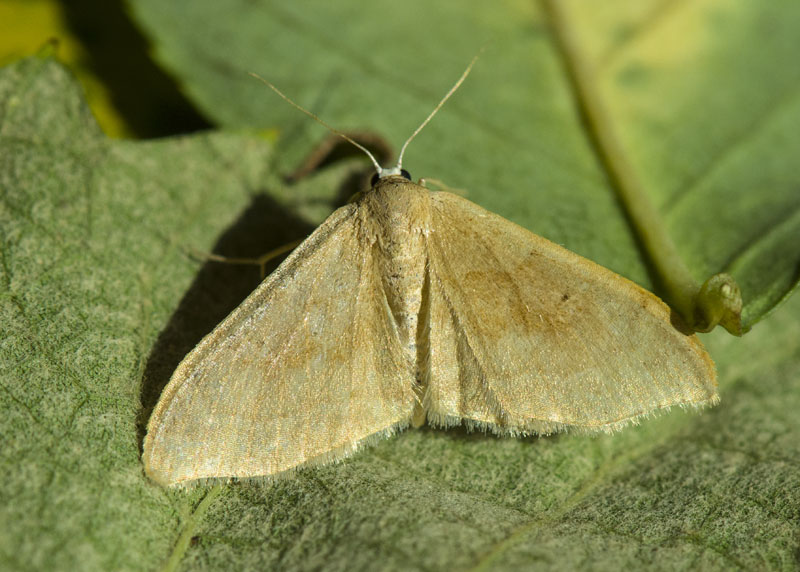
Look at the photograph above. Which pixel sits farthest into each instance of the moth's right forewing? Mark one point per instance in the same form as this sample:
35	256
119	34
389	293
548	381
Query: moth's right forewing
544	338
305	370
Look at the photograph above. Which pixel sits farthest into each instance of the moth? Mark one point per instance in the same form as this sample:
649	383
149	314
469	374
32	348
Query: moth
407	307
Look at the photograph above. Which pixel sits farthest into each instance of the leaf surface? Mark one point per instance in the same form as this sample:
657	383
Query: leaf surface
99	300
704	97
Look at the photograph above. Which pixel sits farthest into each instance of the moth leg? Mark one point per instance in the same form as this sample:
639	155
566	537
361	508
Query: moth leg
260	261
440	185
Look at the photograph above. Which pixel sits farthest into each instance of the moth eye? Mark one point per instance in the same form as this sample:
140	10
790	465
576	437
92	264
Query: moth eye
376	177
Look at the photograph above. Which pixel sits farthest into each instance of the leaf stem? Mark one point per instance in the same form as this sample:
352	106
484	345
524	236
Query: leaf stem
702	307
185	538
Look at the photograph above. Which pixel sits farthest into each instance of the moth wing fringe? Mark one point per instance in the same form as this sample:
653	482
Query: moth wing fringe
543	428
333	456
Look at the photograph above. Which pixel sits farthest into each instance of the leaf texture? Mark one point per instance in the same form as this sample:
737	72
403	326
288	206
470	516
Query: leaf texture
99	303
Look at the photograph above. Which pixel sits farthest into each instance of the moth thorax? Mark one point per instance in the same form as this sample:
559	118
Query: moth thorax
400	214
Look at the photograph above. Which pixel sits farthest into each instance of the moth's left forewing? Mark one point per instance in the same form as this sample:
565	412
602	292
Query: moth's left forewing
527	336
306	370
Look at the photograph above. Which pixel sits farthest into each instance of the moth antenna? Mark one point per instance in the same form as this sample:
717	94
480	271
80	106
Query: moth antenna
437	108
286	98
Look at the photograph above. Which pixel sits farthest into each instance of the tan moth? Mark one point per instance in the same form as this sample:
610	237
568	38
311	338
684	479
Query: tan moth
410	306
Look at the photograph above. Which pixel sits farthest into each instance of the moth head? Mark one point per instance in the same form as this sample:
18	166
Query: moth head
393	172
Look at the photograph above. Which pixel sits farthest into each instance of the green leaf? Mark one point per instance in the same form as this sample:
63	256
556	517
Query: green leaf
99	302
703	96
91	270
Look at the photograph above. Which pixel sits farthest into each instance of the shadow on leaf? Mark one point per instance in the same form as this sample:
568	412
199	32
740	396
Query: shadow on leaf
217	289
